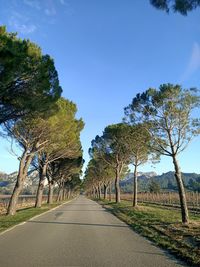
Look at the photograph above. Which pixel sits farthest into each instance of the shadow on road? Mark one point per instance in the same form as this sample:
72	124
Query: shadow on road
81	210
82	224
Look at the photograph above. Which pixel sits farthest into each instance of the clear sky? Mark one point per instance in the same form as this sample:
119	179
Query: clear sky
105	52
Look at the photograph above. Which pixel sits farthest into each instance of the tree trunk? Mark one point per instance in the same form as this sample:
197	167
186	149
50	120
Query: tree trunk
50	193
105	191
59	194
94	192
135	188
23	169
39	195
117	187
63	194
69	194
15	195
99	192
110	191
181	189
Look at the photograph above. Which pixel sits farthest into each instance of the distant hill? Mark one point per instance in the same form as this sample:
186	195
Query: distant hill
141	175
3	176
7	183
166	181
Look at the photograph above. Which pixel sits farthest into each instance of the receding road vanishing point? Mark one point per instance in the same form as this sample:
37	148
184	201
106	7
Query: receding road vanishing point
79	233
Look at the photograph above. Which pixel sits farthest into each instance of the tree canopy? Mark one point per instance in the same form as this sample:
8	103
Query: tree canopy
181	6
28	80
168	116
115	148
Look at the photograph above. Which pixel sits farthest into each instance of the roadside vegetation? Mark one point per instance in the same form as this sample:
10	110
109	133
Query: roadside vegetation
158	122
22	215
163	227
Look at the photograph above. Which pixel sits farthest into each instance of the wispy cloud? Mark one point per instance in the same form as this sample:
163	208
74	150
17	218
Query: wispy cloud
24	17
50	11
50	8
63	2
195	58
194	62
21	23
33	3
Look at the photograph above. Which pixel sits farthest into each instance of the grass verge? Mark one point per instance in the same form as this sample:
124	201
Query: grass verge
163	227
7	221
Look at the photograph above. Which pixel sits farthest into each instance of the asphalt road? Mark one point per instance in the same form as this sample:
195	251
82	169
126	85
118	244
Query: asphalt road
80	233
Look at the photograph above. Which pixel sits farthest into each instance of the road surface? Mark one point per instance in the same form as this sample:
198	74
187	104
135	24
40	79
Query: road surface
80	233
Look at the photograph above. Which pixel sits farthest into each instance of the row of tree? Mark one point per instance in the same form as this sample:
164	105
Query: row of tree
156	123
35	116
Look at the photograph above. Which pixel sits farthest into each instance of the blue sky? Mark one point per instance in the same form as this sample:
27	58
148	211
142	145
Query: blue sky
105	52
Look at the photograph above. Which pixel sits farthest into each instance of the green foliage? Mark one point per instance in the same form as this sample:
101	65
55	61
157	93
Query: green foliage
140	144
111	153
32	112
28	80
63	132
98	172
74	184
114	146
194	185
167	113
28	132
66	168
181	6
62	153
154	187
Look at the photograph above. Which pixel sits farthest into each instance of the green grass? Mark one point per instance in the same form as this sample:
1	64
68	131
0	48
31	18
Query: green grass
163	227
7	221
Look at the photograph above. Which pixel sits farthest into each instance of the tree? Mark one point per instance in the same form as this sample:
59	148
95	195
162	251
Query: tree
30	135
46	139
140	151
194	185
92	181
114	147
28	80
154	187
68	169
167	113
97	175
73	185
181	6
63	134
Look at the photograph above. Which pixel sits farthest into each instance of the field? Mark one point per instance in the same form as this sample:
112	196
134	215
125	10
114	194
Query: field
168	199
23	202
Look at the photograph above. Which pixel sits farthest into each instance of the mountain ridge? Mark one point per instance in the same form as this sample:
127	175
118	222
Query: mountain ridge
166	181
